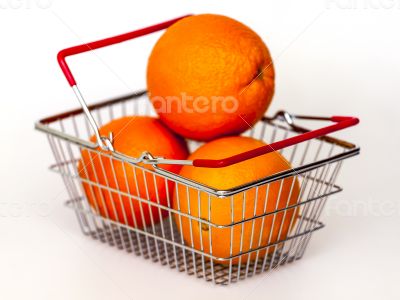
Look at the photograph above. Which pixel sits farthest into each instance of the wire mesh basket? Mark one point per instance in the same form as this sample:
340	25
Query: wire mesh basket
255	239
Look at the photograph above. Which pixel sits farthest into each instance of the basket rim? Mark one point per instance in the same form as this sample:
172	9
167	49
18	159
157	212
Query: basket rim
352	150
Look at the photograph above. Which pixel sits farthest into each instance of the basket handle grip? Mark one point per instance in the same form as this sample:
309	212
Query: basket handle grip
341	122
104	142
106	42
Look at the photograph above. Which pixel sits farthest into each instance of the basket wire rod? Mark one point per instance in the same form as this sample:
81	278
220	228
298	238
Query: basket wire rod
110	237
285	135
252	230
276	248
122	205
150	211
111	112
252	130
316	179
94	220
75	127
308	209
72	187
104	142
138	192
274	131
95	234
323	182
272	227
200	233
188	198
320	144
170	221
303	158
295	216
58	160
231	198
147	110
88	133
242	234
160	215
309	179
112	227
315	205
180	225
314	184
135	108
323	200
98	115
273	139
122	230
210	238
262	226
293	154
110	194
123	107
279	258
333	179
131	200
312	211
109	228
70	184
298	199
262	131
304	242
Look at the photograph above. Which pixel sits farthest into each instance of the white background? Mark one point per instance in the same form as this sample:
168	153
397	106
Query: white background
331	57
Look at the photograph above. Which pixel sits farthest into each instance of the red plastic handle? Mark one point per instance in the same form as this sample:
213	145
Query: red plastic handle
341	123
106	42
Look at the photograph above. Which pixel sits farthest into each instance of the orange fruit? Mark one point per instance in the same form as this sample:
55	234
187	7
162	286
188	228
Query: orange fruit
268	229
132	136
210	76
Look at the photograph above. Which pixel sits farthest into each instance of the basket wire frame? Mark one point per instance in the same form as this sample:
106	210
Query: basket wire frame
162	242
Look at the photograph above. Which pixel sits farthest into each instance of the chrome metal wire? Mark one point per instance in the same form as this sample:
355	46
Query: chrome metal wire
316	166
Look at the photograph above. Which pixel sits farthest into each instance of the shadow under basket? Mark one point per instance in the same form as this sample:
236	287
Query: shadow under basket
316	164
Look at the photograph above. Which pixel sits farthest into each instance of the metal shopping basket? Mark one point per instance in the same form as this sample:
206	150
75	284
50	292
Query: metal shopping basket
316	159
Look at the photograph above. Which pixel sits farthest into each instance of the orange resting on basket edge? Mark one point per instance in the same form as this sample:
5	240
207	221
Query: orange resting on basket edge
210	76
266	230
132	136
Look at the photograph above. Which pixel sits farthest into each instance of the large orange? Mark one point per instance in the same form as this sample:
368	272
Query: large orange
268	229
210	76
132	136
